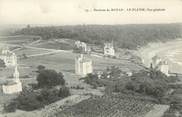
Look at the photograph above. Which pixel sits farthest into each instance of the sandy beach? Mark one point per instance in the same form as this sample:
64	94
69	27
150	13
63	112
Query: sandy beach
170	51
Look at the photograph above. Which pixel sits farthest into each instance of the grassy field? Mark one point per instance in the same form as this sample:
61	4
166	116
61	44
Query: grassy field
19	39
54	45
29	51
62	61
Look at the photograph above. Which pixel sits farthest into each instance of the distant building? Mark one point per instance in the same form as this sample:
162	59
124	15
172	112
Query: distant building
155	61
109	49
82	46
83	65
9	58
14	85
129	73
161	65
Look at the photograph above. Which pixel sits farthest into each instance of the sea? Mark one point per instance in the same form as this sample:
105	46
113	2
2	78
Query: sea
170	51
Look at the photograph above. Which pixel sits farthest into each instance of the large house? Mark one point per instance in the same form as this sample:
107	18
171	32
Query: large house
82	46
9	76
9	58
109	49
161	65
83	65
10	85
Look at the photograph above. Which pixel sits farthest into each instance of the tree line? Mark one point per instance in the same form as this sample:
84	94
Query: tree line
124	36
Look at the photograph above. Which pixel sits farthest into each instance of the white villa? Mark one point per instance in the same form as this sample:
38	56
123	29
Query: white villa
83	46
9	58
164	67
9	76
109	49
161	65
12	85
83	65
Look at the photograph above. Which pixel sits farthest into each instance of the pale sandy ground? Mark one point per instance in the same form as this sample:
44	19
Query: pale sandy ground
165	50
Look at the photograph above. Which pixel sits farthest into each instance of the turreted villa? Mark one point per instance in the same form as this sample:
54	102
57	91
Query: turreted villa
9	58
109	49
83	65
13	85
161	65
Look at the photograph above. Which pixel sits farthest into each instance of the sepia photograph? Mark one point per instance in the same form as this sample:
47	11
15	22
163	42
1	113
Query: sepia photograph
90	58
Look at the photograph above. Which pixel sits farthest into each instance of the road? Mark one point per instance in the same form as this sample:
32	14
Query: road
51	51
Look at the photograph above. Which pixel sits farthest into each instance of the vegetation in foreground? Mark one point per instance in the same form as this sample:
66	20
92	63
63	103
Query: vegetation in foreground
47	92
49	78
147	85
152	83
108	106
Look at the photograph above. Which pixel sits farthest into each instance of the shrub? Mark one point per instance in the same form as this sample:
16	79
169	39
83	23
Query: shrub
40	68
48	96
153	88
10	107
2	64
27	100
49	78
92	79
64	92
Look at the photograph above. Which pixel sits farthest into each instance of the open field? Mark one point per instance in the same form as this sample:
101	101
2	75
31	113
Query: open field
19	39
55	44
63	61
30	52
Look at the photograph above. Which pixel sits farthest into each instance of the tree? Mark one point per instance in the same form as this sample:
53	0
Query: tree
64	92
10	107
48	96
49	78
40	68
2	64
27	100
93	80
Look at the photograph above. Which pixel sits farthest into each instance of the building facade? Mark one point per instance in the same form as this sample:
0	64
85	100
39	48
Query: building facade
12	88
164	67
109	49
82	46
155	61
160	65
9	58
14	84
83	65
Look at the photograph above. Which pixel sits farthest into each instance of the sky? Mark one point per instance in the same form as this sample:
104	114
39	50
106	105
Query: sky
71	12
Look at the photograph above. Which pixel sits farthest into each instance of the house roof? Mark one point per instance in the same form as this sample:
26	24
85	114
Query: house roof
83	58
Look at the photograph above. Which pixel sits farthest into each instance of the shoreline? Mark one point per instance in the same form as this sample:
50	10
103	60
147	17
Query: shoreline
165	50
